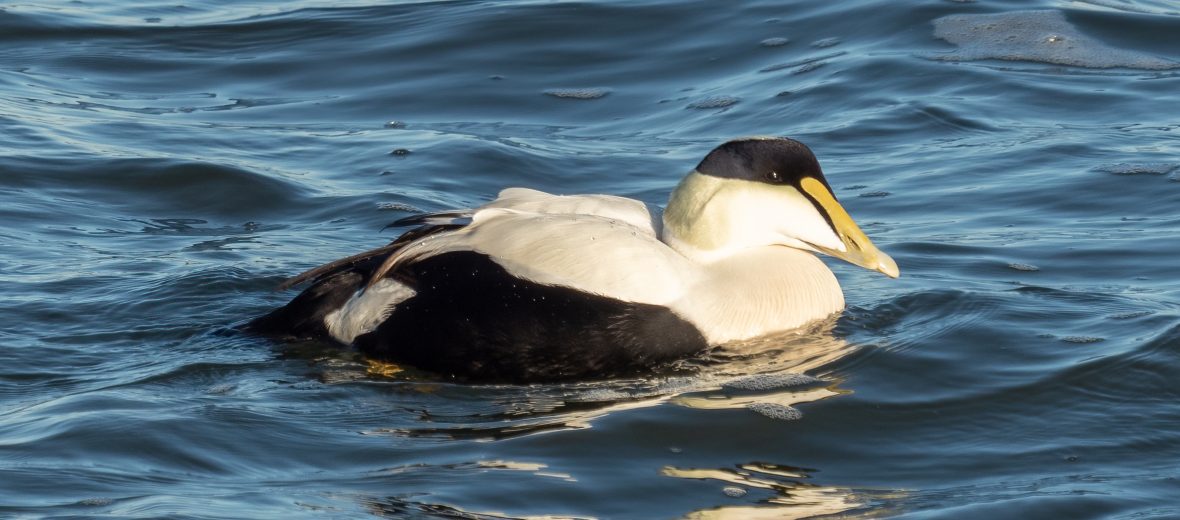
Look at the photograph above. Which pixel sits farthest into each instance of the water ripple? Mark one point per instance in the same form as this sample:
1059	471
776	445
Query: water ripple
165	166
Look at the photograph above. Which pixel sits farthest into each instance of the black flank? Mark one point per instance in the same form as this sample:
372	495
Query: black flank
473	320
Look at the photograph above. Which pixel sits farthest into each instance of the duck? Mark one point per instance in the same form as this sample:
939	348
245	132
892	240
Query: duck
535	287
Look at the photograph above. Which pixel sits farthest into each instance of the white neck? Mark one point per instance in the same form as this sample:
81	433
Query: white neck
687	228
709	218
755	279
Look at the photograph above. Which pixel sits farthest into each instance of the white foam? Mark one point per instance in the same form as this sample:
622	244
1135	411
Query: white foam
764	382
1023	267
733	491
577	93
776	411
1041	36
715	102
1128	169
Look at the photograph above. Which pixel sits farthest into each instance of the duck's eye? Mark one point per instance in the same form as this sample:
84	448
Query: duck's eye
773	176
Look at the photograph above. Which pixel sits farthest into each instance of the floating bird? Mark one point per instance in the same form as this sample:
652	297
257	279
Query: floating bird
539	287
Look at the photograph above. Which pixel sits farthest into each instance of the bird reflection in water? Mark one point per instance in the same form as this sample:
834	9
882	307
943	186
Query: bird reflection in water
770	376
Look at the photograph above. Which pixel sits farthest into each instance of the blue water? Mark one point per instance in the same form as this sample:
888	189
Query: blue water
163	166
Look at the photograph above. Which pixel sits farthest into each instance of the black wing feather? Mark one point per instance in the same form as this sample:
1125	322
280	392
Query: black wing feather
332	284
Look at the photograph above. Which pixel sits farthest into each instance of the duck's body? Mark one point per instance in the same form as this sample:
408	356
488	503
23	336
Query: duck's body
534	286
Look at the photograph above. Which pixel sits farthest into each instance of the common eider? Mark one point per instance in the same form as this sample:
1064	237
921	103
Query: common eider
540	287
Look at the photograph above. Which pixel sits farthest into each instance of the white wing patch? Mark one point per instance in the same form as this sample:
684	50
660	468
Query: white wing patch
586	252
601	244
366	309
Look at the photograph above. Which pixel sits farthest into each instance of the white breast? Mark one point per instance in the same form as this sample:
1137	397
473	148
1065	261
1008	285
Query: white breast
759	291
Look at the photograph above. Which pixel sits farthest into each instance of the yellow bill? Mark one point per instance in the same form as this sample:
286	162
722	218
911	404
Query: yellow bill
858	249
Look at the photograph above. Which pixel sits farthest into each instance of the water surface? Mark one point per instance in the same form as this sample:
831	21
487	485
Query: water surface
163	166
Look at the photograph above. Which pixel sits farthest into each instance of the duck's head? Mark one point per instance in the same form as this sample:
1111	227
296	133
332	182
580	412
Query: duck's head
764	191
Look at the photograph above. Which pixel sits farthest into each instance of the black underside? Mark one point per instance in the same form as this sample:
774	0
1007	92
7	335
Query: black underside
472	320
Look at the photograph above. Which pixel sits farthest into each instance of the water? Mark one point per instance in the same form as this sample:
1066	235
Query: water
165	165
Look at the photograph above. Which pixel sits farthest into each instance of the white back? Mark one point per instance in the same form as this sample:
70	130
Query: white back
528	200
590	253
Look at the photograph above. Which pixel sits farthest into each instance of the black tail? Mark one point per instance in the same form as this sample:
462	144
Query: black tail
332	285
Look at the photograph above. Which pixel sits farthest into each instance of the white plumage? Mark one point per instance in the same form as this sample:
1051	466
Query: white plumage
731	257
